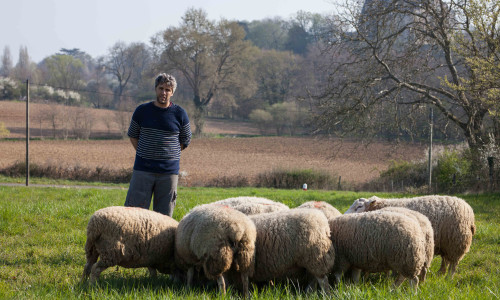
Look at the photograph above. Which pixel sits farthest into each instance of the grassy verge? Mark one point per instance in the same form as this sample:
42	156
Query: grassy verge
42	235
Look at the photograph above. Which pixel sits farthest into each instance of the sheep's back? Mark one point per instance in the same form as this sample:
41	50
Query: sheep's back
289	241
451	217
379	241
329	210
253	205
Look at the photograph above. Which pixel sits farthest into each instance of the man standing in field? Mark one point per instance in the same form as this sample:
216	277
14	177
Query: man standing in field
159	130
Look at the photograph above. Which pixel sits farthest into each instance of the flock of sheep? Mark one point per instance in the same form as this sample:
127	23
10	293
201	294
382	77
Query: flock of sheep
240	240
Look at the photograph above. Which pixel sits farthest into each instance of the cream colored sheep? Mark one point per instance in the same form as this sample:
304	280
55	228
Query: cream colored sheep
290	242
129	237
427	230
451	217
377	242
218	239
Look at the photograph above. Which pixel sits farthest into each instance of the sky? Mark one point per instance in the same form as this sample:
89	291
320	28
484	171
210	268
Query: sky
93	26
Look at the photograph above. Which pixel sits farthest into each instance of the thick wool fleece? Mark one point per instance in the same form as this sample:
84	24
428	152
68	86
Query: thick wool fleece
291	241
253	205
329	211
129	237
377	242
217	238
451	217
427	230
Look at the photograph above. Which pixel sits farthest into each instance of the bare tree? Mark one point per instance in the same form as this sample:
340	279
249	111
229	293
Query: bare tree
210	56
7	64
125	62
25	68
82	122
123	115
402	55
51	114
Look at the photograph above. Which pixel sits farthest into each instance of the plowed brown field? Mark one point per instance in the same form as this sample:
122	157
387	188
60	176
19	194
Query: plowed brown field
209	158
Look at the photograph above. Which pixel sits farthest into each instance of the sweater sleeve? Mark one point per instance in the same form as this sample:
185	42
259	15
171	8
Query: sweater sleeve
134	128
185	131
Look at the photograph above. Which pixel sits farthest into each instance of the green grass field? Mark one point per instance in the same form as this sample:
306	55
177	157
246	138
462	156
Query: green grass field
42	237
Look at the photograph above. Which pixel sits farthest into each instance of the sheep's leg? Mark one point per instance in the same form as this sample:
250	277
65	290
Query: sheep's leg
444	264
92	257
355	274
399	281
221	284
190	275
414	283
423	273
88	268
244	281
97	269
323	284
338	276
452	268
152	272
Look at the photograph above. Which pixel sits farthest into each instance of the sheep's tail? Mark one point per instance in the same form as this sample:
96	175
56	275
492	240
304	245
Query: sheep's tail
93	234
244	258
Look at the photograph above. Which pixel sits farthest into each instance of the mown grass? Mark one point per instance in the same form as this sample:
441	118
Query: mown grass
42	237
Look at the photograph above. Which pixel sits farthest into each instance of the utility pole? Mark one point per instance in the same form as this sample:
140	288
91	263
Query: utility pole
431	125
27	132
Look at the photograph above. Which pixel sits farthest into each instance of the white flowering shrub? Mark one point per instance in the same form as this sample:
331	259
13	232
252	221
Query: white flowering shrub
9	88
74	97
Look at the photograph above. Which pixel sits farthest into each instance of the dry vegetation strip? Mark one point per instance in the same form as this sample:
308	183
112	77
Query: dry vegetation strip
208	158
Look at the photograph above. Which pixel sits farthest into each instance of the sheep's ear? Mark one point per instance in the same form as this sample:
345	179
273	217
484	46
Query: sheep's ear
371	202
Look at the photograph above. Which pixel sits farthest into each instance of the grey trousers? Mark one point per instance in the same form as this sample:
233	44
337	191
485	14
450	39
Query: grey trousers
145	184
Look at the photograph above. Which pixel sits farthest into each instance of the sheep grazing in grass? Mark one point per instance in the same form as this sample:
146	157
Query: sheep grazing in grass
378	242
129	237
427	230
218	239
452	220
292	243
253	205
329	211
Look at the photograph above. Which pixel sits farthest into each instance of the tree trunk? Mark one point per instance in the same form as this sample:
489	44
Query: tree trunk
199	120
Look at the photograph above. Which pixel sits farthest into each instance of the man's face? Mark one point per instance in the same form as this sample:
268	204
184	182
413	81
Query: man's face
163	93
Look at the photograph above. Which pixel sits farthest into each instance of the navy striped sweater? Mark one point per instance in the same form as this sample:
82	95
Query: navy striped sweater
160	132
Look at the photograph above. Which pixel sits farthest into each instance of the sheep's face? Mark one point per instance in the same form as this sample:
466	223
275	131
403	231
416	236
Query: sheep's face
359	205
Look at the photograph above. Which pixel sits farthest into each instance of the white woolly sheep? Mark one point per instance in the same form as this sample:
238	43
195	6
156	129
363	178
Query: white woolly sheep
329	211
378	242
216	238
451	217
253	205
291	243
427	230
129	237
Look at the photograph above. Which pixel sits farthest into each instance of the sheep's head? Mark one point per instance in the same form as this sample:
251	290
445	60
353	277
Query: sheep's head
361	205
